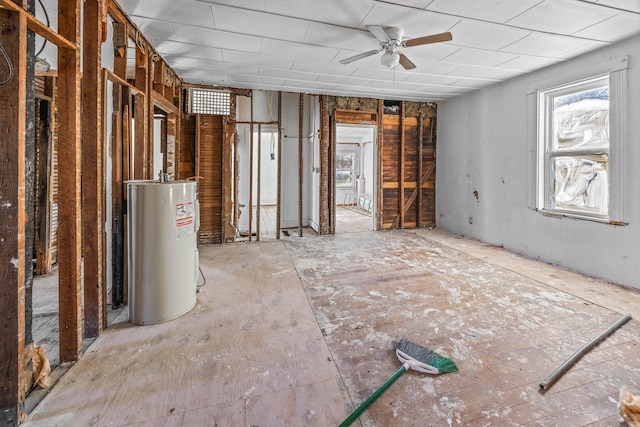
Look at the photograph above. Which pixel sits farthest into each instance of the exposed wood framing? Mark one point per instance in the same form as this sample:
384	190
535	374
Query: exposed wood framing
13	27
323	227
44	184
92	171
38	27
380	168
332	174
69	152
402	166
120	42
141	141
420	166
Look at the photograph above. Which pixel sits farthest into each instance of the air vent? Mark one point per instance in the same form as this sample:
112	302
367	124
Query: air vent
208	101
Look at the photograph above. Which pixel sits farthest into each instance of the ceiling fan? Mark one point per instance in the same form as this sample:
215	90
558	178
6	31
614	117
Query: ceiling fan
390	39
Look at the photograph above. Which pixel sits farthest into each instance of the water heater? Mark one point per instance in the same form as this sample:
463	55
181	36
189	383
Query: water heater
163	220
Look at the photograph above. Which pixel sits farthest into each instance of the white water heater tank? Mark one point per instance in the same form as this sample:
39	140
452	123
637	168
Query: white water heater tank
163	221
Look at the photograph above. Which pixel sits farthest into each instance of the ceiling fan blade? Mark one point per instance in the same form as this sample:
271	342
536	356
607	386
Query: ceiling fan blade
351	59
406	63
434	38
379	33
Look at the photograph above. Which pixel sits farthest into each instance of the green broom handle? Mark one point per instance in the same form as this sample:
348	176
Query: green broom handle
374	396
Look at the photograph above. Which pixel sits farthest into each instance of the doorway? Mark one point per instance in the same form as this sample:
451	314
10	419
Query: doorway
355	178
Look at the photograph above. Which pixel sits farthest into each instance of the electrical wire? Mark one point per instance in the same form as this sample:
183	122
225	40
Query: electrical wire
204	279
9	63
46	15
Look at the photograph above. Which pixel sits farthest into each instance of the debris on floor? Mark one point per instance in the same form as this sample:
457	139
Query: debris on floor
41	367
629	406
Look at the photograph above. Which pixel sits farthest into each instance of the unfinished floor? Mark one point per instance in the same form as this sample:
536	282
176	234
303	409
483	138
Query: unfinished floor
296	332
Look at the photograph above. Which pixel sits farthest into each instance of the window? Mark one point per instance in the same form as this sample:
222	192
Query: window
206	101
580	146
345	162
576	133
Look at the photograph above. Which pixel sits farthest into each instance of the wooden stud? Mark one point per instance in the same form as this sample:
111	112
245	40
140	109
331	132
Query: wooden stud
148	164
324	206
13	27
120	42
380	166
402	165
251	175
118	160
92	171
69	208
420	167
45	158
38	27
140	141
332	175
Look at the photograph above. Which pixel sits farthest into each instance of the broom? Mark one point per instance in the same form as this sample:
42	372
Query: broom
412	356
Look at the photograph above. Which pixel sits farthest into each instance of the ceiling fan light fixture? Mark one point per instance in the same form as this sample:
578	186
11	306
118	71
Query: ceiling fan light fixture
390	59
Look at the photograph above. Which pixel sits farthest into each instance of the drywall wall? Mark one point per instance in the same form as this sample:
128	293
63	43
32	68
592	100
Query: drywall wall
483	184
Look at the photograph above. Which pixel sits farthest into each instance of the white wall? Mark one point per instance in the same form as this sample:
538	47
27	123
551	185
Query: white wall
483	146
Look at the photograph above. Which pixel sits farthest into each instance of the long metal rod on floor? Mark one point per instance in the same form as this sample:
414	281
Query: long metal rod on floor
555	375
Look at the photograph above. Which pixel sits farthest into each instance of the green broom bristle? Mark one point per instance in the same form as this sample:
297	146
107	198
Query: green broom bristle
425	355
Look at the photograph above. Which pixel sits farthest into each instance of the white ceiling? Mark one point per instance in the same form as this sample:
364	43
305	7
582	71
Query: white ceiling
296	45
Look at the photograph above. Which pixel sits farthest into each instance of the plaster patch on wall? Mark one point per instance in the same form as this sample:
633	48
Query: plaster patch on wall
14	262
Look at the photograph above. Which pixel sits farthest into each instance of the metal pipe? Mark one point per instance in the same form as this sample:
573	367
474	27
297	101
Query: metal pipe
555	375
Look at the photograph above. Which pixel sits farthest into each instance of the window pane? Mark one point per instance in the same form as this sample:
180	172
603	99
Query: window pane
344	169
581	183
581	119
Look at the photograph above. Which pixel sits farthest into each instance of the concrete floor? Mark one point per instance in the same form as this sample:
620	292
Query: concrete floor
297	332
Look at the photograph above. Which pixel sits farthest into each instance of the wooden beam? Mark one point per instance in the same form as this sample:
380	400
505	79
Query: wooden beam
69	206
324	207
120	43
13	27
420	166
38	27
417	188
92	171
141	138
379	166
402	165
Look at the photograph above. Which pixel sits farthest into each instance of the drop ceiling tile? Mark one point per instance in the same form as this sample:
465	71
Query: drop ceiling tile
562	16
431	67
309	85
478	57
174	49
260	24
432	79
256	79
485	35
219	66
545	45
286	74
192	75
631	5
155	31
529	63
245	4
258	60
414	22
323	68
348	13
216	38
298	50
341	80
472	83
484	73
617	28
591	46
486	10
177	11
430	52
383	74
339	37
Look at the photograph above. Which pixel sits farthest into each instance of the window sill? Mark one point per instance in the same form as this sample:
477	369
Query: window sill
558	214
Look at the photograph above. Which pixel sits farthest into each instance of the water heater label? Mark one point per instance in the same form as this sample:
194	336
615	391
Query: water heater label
184	219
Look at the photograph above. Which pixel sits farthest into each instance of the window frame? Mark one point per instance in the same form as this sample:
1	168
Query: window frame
352	170
539	163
